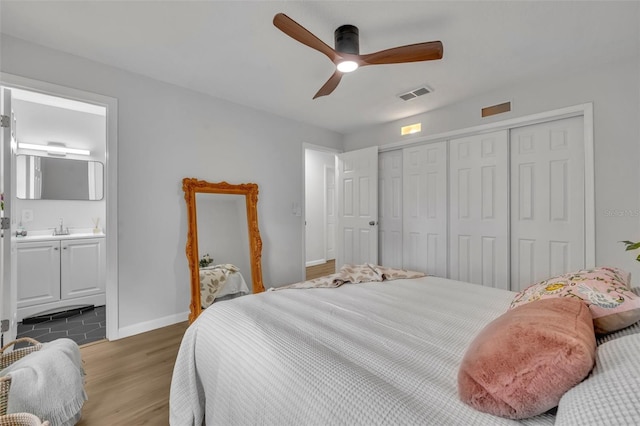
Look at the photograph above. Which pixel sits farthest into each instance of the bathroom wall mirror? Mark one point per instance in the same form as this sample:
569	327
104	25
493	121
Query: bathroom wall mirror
222	227
49	178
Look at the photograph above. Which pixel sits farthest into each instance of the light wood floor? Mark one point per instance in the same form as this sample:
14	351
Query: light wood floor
128	380
321	270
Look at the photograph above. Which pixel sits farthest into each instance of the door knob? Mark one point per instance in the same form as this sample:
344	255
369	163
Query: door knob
372	223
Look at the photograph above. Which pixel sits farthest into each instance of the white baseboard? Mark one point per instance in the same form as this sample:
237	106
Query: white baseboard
132	330
315	262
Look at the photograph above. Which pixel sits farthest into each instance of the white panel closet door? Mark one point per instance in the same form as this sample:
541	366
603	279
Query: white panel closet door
390	208
357	239
479	206
424	183
547	200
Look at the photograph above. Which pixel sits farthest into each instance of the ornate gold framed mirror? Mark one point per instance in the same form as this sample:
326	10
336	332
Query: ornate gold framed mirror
201	209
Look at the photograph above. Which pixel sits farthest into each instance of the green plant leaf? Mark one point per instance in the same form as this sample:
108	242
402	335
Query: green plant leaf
631	245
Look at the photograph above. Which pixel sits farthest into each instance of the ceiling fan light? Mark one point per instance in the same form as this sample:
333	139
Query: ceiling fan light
347	66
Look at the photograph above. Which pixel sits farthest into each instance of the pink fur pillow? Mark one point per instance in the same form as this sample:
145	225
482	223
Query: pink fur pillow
522	363
605	290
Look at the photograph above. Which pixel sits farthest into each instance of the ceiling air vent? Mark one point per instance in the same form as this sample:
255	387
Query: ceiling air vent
415	93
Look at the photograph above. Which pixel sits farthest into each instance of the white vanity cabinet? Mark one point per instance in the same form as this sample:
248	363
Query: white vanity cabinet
56	274
82	264
38	273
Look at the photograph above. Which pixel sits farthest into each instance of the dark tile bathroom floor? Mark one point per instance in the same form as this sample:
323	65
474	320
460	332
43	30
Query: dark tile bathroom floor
83	325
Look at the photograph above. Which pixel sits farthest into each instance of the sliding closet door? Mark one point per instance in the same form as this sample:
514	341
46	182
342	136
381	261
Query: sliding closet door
424	216
547	200
390	208
479	218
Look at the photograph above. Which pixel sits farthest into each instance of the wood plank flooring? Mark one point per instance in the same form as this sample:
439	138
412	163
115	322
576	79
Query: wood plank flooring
128	380
321	270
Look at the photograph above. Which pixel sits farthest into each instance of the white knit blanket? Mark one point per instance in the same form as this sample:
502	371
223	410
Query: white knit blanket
380	353
48	383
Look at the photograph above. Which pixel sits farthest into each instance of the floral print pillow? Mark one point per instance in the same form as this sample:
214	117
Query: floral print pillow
605	290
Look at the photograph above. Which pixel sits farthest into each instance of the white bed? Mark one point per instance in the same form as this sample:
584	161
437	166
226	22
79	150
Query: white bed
370	353
233	284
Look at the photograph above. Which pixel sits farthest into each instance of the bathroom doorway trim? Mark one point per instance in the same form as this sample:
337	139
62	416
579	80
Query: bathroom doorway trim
111	178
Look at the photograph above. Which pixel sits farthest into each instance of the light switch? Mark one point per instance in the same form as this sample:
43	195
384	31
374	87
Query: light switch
27	215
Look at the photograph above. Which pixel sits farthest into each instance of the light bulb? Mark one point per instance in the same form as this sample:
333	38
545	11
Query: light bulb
347	66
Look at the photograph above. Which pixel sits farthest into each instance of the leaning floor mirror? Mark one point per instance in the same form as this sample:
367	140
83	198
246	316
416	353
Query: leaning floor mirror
224	248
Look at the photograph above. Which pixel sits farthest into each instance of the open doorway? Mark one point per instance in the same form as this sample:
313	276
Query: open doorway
63	280
320	211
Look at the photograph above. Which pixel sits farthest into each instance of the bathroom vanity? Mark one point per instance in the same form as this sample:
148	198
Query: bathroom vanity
56	272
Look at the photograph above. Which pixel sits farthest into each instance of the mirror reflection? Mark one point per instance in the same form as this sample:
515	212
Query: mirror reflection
49	178
224	248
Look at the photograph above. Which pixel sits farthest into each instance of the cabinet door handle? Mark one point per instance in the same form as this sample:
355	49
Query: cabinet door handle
55	248
64	248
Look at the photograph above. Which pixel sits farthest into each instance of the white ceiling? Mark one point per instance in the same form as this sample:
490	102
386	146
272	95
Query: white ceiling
231	50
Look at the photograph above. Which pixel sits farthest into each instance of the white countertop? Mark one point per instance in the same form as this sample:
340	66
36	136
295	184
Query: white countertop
47	235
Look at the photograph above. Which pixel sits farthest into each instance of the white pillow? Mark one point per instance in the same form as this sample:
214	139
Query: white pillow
611	394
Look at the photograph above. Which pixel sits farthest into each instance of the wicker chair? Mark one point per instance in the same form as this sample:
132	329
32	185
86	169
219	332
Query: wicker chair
5	384
6	359
21	419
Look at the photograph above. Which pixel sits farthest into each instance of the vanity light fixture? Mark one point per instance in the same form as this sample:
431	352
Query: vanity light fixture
54	148
411	129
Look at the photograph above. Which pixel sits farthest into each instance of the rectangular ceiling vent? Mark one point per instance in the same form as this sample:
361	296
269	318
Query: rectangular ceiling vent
415	93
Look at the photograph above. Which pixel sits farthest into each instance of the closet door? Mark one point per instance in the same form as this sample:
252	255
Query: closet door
424	215
479	218
390	208
547	200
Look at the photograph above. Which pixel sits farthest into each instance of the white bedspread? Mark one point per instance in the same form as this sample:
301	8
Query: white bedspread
360	354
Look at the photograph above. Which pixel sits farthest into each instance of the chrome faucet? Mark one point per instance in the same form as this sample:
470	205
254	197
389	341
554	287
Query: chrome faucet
61	230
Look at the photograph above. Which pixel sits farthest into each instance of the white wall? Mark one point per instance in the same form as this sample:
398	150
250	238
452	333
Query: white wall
315	238
40	124
614	90
166	133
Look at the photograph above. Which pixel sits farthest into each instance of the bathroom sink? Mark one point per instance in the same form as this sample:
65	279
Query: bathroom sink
47	234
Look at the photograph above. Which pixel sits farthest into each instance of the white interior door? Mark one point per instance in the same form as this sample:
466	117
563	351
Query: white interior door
479	206
330	211
7	286
424	223
547	200
390	208
357	181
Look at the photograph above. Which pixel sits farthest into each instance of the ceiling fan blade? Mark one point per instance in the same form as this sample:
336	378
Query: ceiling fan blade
330	85
427	51
301	34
